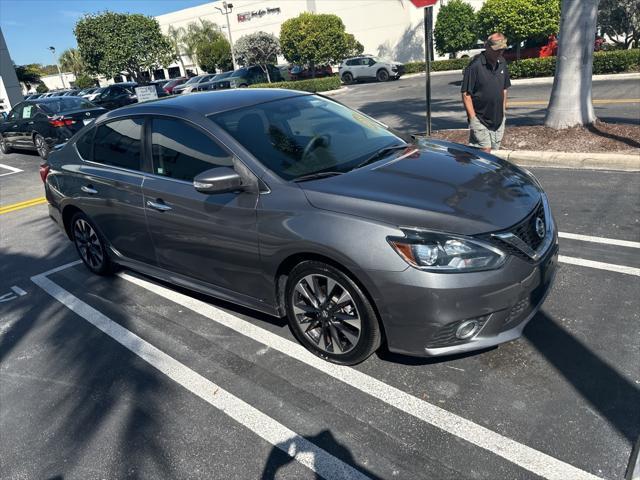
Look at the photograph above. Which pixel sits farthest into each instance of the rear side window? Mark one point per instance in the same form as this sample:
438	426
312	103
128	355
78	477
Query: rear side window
66	104
85	143
352	62
182	152
118	143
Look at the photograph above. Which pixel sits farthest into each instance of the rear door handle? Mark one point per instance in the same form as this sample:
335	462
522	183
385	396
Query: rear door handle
88	189
160	206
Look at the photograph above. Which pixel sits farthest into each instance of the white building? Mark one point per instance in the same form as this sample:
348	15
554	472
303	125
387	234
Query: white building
388	28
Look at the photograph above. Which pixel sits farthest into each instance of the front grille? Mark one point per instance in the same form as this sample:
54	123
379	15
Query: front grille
401	69
525	230
446	336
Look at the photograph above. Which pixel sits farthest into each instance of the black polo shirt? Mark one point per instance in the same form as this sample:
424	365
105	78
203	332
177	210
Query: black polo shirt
486	86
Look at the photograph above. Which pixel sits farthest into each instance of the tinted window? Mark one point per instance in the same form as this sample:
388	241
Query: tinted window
66	104
118	143
182	152
352	62
28	111
15	113
84	144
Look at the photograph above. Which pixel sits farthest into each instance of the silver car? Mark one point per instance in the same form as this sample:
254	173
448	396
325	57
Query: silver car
368	67
295	205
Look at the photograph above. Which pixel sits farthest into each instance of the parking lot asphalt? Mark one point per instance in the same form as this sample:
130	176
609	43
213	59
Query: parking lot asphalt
401	104
122	377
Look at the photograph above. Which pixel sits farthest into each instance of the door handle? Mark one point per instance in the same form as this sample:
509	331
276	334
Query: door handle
30	123
15	125
160	206
88	189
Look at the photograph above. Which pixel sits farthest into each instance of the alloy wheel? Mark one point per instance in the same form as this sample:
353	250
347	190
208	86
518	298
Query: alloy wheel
41	146
327	313
88	244
4	148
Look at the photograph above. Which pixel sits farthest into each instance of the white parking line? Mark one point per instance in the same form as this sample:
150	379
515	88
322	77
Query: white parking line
603	240
292	444
526	457
11	169
611	267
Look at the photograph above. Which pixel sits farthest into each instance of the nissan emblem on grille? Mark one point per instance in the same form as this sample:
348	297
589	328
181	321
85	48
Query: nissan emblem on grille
540	227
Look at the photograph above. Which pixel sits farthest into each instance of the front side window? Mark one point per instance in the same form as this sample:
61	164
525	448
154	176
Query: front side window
118	143
181	151
306	134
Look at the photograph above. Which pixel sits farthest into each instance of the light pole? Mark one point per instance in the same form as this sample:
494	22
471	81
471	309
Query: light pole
53	52
227	10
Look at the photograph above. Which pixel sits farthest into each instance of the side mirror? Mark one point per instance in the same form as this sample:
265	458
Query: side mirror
218	180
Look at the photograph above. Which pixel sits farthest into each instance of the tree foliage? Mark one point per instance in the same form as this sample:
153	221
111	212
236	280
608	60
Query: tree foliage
215	55
455	28
111	43
316	39
259	48
85	81
174	36
28	74
620	20
519	20
196	35
354	47
71	61
42	88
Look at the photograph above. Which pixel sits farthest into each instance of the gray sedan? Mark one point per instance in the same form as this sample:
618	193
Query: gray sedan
295	205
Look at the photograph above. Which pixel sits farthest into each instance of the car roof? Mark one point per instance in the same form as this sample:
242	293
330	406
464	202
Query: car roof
207	103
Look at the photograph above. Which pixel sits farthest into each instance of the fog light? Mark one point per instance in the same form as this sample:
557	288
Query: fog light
467	329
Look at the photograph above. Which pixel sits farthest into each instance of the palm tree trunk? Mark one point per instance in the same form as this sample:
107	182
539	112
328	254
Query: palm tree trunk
570	103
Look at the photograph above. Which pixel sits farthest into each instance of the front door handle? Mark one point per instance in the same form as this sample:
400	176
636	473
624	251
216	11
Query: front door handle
88	189
161	207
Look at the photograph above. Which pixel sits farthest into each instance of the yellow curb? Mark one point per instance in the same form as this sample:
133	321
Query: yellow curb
20	205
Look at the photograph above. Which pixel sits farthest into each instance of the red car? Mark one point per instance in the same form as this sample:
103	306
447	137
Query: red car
174	82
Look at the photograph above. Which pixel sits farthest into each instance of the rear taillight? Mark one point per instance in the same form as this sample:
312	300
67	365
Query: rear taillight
44	171
61	122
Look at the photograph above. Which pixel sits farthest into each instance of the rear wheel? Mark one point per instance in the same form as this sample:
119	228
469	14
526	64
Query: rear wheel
347	78
330	315
4	146
382	75
90	245
41	146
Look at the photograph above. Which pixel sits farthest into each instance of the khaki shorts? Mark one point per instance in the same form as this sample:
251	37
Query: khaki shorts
481	137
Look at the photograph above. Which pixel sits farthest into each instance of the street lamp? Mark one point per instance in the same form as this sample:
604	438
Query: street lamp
53	52
227	10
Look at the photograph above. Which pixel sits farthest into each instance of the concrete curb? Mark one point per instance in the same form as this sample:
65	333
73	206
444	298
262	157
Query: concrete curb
329	93
538	80
594	161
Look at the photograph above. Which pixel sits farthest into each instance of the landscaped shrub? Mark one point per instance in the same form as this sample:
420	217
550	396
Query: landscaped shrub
438	65
311	85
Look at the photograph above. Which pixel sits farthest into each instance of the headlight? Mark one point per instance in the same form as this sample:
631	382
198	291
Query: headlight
441	252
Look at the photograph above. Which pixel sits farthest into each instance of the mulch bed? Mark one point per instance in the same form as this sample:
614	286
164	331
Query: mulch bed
600	137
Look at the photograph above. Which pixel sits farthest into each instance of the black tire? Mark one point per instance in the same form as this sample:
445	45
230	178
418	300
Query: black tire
41	145
244	85
382	75
347	78
90	245
332	335
4	147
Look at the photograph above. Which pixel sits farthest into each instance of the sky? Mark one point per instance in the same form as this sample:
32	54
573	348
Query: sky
31	26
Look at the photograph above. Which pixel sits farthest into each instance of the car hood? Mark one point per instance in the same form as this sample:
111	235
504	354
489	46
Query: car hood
436	185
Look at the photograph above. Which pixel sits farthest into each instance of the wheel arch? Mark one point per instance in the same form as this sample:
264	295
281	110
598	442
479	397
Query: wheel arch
285	267
67	214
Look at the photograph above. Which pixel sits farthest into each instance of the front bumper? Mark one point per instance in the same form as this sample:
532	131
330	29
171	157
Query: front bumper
421	311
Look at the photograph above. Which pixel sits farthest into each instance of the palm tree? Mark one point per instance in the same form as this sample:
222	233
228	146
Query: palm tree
175	37
71	61
197	33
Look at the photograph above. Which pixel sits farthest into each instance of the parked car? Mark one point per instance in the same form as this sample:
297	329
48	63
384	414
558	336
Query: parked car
174	82
33	96
368	67
116	95
212	83
296	205
87	91
41	123
192	83
298	72
71	93
245	76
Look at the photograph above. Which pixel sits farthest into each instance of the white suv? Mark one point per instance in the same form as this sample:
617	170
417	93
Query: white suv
367	67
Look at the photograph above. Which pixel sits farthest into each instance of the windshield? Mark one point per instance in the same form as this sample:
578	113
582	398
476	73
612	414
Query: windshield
193	80
305	135
65	104
220	76
241	72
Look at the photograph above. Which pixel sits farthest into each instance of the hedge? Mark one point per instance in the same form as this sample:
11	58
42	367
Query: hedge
612	61
311	85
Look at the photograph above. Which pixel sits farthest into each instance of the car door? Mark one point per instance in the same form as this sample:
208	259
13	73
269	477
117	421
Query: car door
208	237
10	125
108	187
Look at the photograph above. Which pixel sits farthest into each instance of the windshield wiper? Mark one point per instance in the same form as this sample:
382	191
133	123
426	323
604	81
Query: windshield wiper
313	176
381	153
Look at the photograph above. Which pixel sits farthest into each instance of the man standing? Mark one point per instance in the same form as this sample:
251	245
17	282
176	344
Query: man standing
484	94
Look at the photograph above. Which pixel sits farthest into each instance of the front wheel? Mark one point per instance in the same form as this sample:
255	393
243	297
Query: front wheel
347	78
382	75
41	146
4	146
330	315
90	245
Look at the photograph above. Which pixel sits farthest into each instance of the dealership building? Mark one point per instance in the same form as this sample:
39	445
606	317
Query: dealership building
387	28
